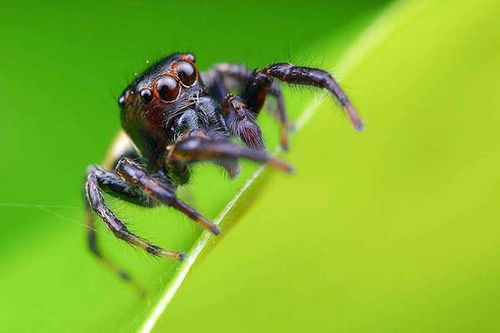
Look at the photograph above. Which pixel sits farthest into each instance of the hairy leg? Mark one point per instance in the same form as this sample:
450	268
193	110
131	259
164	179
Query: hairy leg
262	81
158	187
197	146
100	180
95	202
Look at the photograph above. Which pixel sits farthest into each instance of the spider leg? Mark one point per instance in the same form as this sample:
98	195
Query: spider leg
241	122
100	180
225	77
161	189
298	75
196	145
94	249
97	205
258	86
280	111
222	78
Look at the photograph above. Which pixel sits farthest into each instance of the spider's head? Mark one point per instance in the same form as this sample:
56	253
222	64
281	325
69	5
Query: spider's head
161	92
162	85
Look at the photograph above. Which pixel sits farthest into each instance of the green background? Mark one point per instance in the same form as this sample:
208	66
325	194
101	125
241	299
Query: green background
393	229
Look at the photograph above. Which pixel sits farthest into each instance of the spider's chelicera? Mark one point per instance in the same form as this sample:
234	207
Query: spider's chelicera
173	116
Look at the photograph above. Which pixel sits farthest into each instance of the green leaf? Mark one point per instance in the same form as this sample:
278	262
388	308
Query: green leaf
394	230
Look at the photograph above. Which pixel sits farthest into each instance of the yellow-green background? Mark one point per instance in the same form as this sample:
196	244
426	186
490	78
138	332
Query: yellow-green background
393	229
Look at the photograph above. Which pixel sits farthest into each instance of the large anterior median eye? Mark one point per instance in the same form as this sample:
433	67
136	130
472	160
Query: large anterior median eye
186	73
168	88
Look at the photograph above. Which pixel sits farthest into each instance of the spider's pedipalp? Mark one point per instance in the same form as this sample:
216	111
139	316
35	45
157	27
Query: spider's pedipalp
226	77
241	122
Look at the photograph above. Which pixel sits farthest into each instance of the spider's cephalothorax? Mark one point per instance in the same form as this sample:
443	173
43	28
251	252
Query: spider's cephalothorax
173	116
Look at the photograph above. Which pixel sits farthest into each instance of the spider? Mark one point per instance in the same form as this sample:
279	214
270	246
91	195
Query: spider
172	116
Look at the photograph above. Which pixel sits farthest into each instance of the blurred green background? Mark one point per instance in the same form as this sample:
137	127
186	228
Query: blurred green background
393	229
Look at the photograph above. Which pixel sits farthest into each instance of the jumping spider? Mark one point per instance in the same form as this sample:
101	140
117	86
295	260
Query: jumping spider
173	116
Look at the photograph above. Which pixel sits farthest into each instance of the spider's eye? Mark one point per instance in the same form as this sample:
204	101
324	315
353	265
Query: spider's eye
186	73
168	88
146	95
121	101
191	57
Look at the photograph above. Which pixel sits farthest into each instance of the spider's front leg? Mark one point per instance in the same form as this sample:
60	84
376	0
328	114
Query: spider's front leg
160	189
100	180
131	183
196	145
262	81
